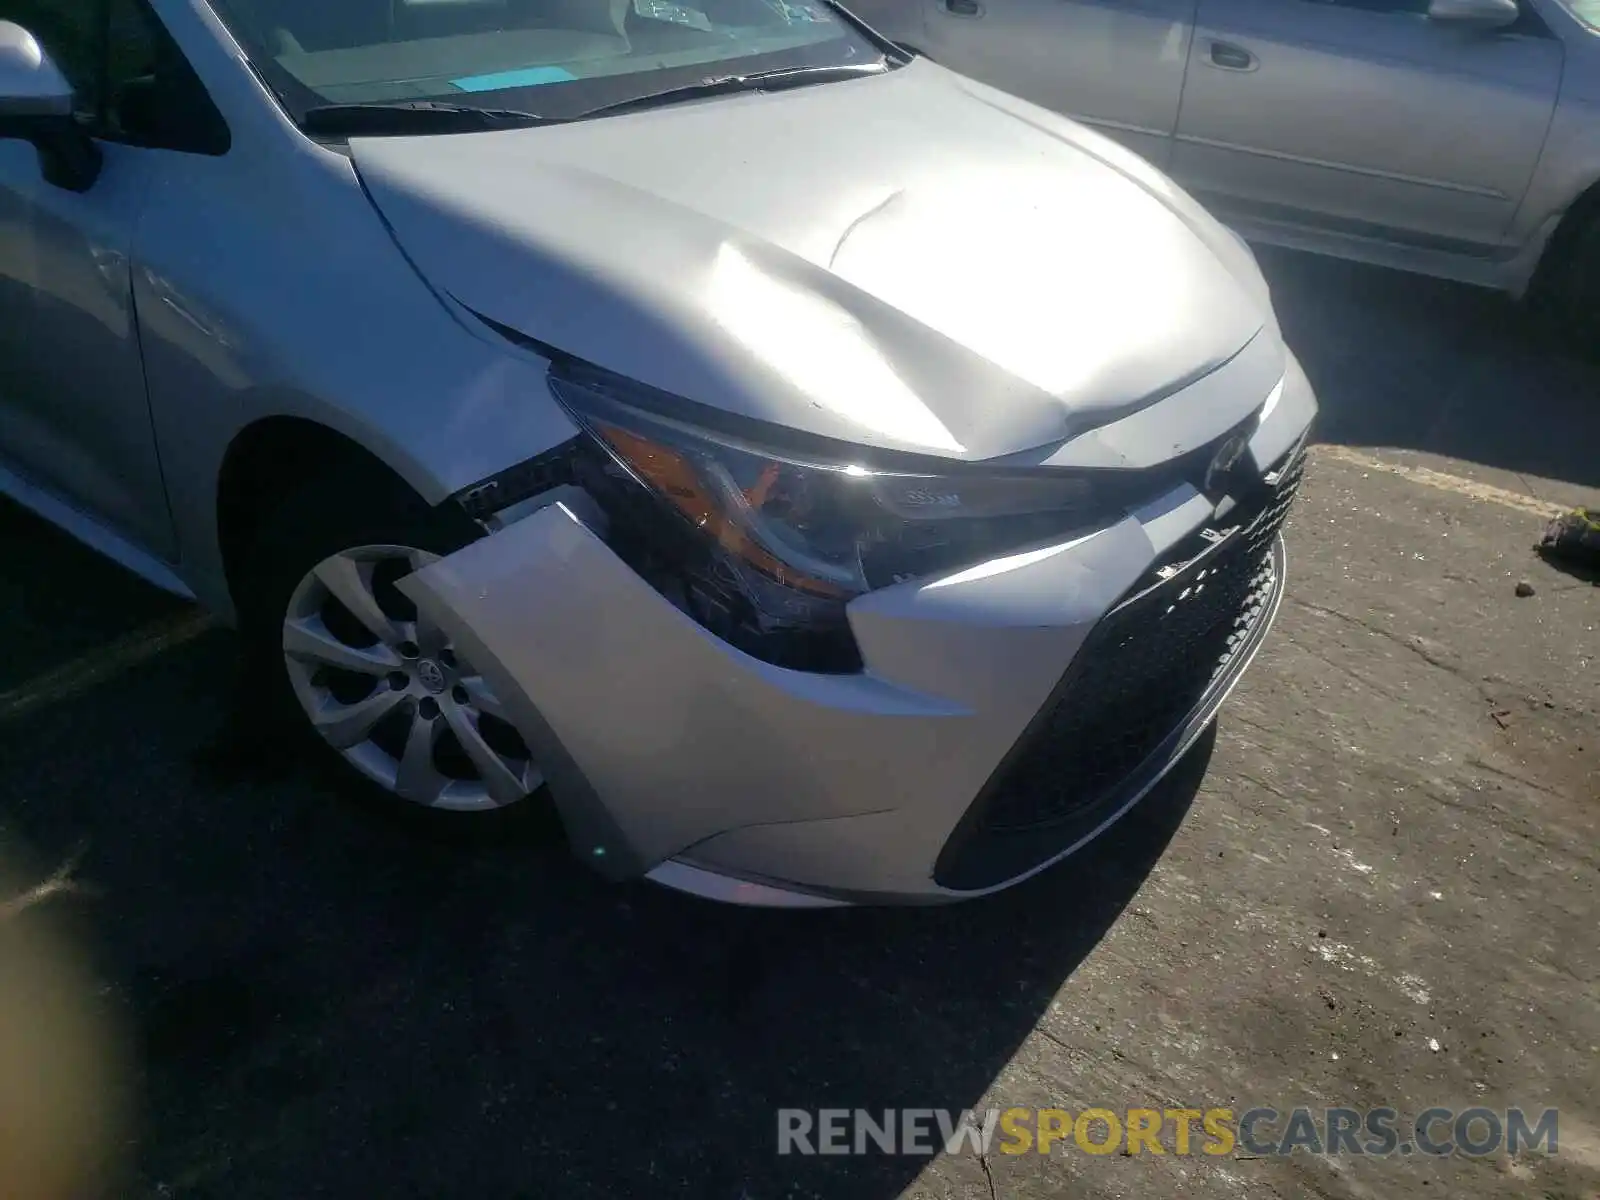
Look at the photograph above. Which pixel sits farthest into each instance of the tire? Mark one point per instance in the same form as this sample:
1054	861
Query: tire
1570	295
399	709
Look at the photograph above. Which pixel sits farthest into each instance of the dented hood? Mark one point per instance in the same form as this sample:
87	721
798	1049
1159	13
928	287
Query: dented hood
909	261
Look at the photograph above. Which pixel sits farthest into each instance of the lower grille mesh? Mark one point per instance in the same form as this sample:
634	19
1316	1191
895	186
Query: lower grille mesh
1144	669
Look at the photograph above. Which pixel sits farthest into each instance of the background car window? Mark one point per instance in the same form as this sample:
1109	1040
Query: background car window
69	31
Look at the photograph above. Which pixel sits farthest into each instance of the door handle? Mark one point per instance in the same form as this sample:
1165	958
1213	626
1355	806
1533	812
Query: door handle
1228	57
963	8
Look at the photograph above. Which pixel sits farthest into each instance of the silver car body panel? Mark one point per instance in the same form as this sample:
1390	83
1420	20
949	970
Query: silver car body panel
315	315
93	532
265	289
67	298
1377	135
893	271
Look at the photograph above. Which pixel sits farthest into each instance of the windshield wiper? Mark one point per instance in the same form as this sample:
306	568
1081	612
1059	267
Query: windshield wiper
722	85
412	117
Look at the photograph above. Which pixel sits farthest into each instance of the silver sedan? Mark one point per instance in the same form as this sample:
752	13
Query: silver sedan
1458	138
820	475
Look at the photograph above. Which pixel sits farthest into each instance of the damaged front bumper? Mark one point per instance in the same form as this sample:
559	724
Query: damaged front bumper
1005	715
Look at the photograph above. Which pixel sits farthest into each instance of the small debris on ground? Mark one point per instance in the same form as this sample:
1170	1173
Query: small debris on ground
1524	588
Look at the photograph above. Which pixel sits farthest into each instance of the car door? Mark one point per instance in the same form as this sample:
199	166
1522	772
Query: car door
1114	64
1366	117
74	417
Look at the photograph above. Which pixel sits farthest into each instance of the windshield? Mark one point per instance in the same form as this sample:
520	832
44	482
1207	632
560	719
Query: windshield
554	57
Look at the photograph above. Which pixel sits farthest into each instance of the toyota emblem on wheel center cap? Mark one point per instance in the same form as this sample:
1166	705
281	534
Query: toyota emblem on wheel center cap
431	675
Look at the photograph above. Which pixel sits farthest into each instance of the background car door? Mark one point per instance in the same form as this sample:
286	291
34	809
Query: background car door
1366	117
1114	64
74	416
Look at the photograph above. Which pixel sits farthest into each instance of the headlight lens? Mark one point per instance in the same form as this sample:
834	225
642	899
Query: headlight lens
794	536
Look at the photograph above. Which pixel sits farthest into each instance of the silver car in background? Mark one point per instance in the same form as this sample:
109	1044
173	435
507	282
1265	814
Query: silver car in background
1458	138
825	477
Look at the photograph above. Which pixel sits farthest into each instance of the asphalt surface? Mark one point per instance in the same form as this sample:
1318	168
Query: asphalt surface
1375	885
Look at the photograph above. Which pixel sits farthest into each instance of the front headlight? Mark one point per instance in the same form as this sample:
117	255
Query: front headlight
772	542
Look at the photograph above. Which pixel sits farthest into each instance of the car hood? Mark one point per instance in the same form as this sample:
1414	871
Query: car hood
910	261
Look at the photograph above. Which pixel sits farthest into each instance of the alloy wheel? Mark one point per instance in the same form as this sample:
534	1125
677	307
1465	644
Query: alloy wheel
385	688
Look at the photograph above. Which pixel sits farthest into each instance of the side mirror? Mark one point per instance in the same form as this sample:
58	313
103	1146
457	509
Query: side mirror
1474	14
36	105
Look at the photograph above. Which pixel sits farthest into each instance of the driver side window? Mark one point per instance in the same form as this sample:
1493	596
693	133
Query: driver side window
152	97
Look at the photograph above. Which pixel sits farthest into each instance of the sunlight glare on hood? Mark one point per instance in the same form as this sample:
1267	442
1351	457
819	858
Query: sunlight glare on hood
821	349
1082	264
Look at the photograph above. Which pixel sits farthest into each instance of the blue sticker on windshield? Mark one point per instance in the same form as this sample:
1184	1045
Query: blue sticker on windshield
527	77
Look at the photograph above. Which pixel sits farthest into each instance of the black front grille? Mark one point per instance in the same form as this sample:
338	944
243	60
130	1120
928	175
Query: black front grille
1135	681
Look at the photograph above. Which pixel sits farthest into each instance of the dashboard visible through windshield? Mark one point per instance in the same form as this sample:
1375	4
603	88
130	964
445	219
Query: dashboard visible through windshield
555	57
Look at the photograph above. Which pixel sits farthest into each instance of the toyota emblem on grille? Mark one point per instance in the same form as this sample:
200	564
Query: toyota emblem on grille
1220	475
431	675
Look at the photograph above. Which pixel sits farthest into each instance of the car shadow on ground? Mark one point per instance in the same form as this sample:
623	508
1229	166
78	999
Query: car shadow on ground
325	1003
1421	364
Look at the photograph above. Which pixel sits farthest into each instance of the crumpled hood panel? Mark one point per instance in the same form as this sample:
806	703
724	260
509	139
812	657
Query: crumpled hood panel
909	261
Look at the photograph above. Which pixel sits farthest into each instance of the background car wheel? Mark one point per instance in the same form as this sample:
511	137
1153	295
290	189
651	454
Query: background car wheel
1569	290
344	657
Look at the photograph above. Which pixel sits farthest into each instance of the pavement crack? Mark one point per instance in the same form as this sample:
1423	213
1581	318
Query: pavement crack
1272	789
1527	485
1349	672
988	1175
1421	652
1272	734
1503	821
1533	784
1073	1053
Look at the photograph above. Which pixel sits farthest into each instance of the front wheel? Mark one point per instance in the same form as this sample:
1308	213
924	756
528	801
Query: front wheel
348	659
